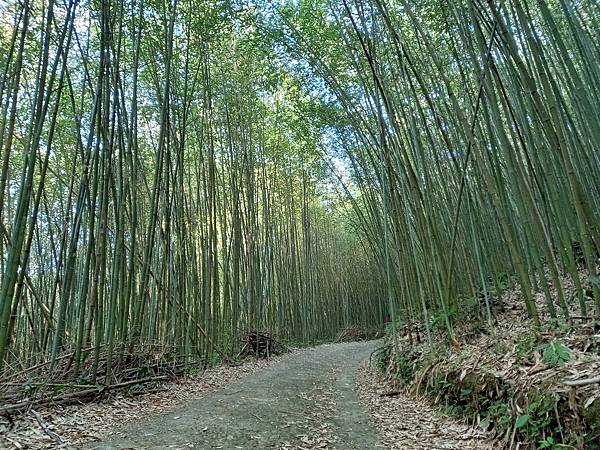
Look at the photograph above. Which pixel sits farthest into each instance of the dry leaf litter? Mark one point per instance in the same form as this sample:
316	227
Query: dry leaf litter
67	426
408	423
505	362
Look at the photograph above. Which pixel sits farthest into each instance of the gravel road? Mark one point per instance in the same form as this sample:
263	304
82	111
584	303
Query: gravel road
306	400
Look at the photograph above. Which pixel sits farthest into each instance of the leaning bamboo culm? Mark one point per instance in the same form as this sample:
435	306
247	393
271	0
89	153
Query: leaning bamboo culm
471	128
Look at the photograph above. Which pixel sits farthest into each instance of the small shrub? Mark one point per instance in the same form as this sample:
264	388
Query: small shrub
405	369
556	354
499	415
547	442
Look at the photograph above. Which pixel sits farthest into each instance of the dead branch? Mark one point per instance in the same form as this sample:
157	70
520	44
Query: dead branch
75	396
582	382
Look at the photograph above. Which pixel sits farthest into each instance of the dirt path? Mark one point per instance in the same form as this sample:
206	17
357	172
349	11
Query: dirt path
307	400
304	400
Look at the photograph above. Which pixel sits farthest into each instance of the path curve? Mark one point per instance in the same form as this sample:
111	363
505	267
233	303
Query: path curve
307	400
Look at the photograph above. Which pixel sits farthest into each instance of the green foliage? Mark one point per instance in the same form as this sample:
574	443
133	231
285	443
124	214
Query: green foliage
58	388
539	414
210	205
404	369
521	421
465	394
264	174
382	357
499	415
556	354
501	282
439	319
440	383
547	442
469	312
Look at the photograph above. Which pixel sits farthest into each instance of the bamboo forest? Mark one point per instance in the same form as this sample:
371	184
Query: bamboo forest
300	224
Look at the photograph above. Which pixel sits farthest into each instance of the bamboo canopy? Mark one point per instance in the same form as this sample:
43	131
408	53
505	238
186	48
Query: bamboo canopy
173	172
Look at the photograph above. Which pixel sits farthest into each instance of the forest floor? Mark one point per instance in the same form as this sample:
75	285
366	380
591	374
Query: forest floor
408	423
527	386
306	399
